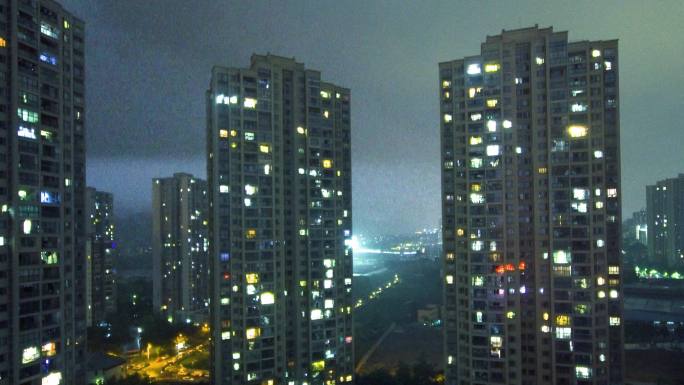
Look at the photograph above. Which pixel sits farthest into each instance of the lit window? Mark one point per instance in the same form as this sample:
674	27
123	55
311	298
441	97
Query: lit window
475	187
27	226
580	193
49	30
608	65
477	245
264	148
479	317
49	349
251	233
491	103
30	354
600	243
252	333
477	280
3	42
447	118
475	140
301	130
510	315
223	133
577	131
595	53
578	107
316	314
601	294
327	163
252	278
491	125
249	136
26	132
563	333
614	321
54	378
250	190
325	94
47	58
582	372
476	116
326	114
611	192
318	366
562	320
613	294
614	270
493	150
539	60
507	124
541	170
446	84
473	69
561	257
491	67
459	232
477	198
450	279
27	116
598	154
250	103
224	189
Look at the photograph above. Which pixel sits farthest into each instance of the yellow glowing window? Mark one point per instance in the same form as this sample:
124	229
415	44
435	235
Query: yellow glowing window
472	92
233	132
447	118
492	103
301	130
596	53
326	114
460	232
325	94
510	315
3	42
545	316
223	133
252	333
252	278
491	67
475	140
251	233
318	366
264	148
577	131
562	320
450	256
446	84
233	145
613	270
541	170
302	283
614	321
250	103
49	349
327	163
475	187
447	95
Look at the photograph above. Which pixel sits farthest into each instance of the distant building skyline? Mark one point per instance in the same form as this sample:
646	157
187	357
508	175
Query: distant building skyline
100	252
665	226
531	212
279	166
180	246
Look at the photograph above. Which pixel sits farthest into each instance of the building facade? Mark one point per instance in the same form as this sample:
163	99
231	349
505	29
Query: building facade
279	173
665	222
531	211
100	252
42	192
180	246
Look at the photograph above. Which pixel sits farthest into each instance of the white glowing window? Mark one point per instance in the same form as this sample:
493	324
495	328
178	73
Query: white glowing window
476	116
608	65
539	60
579	207
611	192
329	304
595	53
493	150
598	154
449	279
316	314
561	257
474	69
54	378
250	103
601	294
578	107
479	317
580	193
30	354
475	162
491	125
446	84
600	243
614	321
249	136
447	118
477	280
613	294
477	198
582	372
598	205
27	226
518	150
477	245
563	333
267	298
225	335
250	190
507	124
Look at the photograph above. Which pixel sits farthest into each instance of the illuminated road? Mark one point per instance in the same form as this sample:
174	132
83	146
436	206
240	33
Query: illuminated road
377	292
167	368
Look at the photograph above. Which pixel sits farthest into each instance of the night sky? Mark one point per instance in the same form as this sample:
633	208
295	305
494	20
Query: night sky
149	63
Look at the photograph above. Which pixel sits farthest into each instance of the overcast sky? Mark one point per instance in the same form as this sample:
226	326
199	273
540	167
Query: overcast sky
149	62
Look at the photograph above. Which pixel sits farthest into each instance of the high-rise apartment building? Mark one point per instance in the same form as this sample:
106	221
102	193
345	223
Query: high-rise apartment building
665	222
42	191
100	251
279	173
531	211
180	246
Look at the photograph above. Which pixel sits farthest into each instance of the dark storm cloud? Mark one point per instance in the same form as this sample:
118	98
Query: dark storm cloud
149	63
